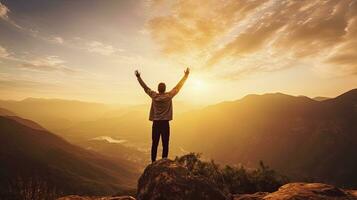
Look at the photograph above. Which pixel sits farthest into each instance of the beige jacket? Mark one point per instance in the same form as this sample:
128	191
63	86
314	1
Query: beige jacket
161	104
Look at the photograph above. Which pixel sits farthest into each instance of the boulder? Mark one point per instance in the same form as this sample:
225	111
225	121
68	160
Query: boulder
166	179
75	197
302	191
255	196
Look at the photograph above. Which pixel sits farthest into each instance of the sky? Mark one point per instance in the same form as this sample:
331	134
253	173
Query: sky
88	50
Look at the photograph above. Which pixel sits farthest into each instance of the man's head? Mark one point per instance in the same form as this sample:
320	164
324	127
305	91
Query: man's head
161	87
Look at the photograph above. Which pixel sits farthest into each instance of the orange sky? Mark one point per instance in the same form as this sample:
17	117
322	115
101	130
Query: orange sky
88	50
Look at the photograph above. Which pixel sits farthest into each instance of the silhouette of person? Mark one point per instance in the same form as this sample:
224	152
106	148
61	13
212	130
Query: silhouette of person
161	113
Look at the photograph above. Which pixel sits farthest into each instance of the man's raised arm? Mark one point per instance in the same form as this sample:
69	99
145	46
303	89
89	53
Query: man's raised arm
179	85
143	85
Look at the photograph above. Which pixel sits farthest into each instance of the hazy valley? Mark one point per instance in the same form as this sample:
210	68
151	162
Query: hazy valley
300	137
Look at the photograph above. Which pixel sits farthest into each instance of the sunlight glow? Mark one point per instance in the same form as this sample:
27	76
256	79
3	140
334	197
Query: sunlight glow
198	84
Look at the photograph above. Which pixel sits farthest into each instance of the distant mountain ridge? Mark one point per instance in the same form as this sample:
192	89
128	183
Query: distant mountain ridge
26	122
301	137
321	98
290	133
28	152
5	112
55	113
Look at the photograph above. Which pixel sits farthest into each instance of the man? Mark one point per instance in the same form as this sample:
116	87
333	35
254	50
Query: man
161	113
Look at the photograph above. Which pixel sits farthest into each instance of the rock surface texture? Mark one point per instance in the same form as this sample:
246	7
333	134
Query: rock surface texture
75	197
302	191
165	179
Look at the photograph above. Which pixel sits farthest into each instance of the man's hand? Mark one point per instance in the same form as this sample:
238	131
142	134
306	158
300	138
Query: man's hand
179	85
137	73
187	71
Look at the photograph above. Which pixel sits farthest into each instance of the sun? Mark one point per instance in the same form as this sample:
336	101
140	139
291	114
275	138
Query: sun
198	84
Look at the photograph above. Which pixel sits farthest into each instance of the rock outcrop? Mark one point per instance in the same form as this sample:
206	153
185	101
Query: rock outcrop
168	180
75	197
302	191
165	179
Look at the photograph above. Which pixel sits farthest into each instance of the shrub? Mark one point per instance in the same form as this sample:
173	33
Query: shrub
30	188
232	179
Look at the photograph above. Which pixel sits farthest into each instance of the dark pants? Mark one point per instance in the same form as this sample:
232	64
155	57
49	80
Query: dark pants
160	128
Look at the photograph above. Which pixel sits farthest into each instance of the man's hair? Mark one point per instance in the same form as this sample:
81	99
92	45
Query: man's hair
161	87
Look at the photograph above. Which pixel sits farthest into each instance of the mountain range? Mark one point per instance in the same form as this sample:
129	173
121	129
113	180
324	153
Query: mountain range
306	139
298	136
55	113
29	151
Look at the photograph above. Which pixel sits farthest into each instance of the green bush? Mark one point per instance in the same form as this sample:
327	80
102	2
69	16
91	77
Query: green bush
235	180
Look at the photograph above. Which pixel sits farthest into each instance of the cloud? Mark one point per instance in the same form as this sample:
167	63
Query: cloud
236	32
4	15
4	11
102	49
11	82
16	84
345	58
4	53
49	63
57	39
90	46
197	24
37	63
